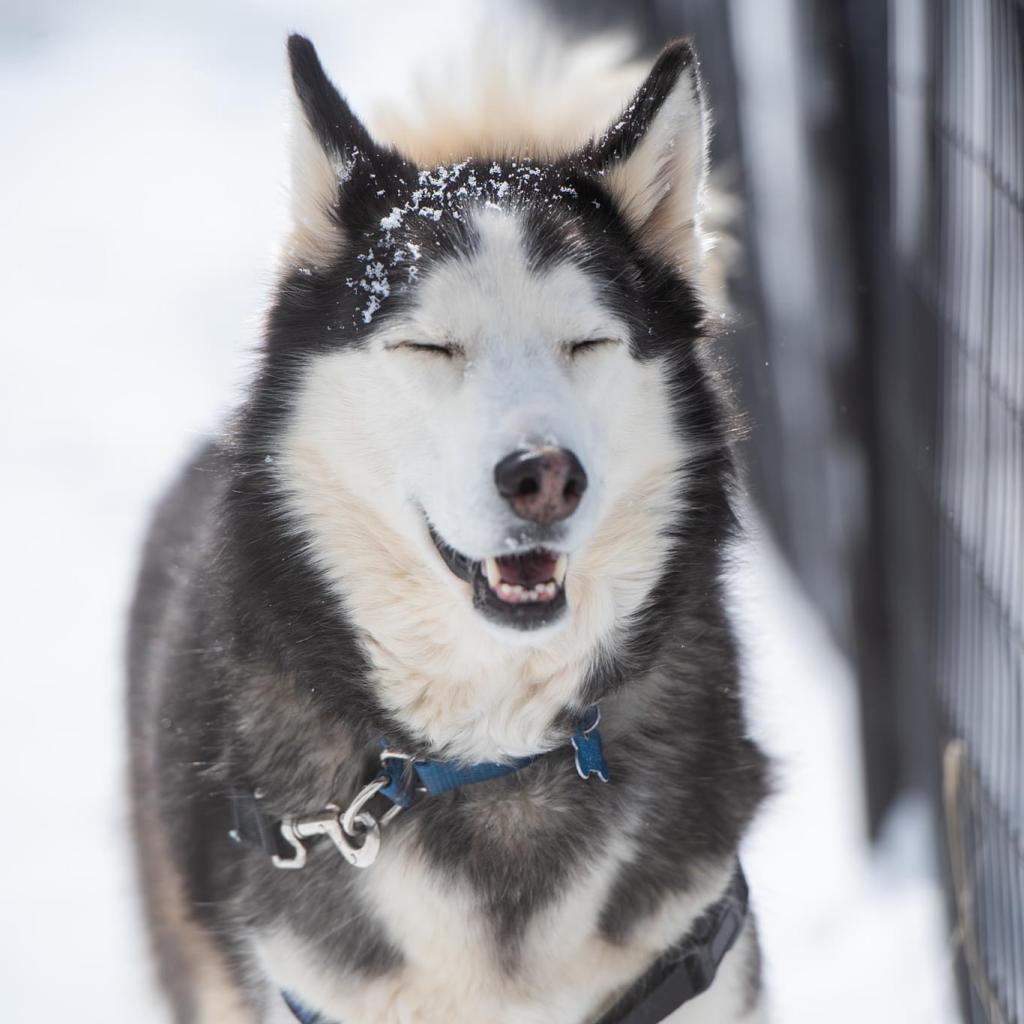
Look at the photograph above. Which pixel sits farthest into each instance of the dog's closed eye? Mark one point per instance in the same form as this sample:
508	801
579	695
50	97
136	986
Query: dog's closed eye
579	348
430	348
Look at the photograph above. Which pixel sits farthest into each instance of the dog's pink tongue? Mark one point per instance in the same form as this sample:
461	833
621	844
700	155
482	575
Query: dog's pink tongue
528	570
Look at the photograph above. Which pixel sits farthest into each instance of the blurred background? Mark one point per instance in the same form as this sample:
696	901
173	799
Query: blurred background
876	150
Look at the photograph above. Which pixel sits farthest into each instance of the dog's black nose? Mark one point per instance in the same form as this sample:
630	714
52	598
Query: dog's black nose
543	485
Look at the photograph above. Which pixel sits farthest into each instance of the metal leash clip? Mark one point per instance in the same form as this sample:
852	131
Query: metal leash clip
355	831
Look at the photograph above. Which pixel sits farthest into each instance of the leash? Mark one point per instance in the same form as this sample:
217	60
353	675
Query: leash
680	974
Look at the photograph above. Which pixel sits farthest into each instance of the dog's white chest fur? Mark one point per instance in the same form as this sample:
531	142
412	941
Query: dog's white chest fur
453	971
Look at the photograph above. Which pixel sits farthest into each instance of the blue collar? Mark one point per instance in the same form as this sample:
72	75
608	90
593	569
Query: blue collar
408	777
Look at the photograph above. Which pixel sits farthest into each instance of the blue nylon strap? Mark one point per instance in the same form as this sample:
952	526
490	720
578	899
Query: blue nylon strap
442	776
405	777
303	1014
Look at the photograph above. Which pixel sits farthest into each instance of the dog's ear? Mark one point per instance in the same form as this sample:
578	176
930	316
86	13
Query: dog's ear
653	159
327	140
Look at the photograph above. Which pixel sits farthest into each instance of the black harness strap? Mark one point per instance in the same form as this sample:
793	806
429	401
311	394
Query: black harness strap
687	969
251	827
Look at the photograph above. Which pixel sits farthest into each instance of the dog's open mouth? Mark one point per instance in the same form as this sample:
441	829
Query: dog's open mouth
536	576
525	590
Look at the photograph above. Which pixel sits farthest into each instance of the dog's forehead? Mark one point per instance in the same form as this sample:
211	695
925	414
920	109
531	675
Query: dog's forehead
498	290
479	240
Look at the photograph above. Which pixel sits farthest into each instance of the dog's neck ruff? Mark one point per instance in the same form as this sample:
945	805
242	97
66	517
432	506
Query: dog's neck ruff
400	782
680	974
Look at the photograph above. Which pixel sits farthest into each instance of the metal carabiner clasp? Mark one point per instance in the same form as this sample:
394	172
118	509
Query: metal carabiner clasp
354	813
355	831
340	828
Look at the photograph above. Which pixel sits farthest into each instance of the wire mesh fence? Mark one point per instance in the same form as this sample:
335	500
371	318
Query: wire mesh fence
957	88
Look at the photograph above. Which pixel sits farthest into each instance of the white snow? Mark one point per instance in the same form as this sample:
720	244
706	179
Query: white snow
140	194
850	935
452	196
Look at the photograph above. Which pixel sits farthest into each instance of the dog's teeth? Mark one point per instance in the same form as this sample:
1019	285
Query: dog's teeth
493	573
511	592
516	593
561	566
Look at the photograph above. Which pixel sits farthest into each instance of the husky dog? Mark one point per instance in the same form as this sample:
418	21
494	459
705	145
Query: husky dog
470	519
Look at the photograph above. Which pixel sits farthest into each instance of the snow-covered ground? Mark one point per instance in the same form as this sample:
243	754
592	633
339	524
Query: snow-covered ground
851	935
140	191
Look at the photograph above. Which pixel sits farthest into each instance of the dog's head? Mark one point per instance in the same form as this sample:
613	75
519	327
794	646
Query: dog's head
486	363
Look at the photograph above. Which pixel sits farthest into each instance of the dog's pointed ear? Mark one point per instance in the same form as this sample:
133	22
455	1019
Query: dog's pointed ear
653	159
327	140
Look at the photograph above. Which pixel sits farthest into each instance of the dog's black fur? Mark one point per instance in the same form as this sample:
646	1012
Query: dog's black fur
245	670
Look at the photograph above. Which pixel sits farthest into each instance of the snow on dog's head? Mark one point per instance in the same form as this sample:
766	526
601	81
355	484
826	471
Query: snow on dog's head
491	400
